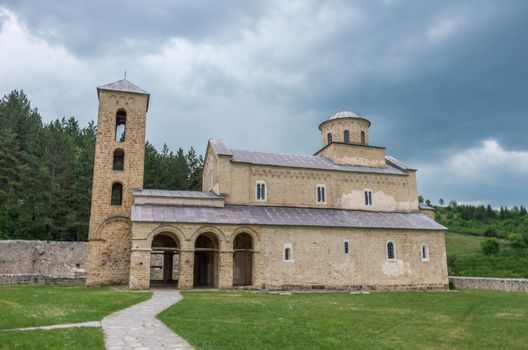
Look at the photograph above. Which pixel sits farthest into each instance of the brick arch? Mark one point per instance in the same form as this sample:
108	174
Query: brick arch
111	220
171	230
211	229
254	236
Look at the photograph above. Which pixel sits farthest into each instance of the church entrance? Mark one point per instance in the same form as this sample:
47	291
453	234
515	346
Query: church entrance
164	260
206	261
243	260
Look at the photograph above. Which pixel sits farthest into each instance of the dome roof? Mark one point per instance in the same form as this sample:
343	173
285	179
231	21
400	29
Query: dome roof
344	114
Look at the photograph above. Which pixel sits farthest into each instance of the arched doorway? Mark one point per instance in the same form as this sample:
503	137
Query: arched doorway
164	260
243	260
206	261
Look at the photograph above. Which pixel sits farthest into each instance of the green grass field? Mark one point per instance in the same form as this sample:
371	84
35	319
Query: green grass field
465	258
412	320
38	305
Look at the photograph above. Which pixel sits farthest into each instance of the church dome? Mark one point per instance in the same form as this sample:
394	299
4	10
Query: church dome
344	114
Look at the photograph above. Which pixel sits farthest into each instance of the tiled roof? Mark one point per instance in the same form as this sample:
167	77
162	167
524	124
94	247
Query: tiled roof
176	194
123	85
425	206
286	216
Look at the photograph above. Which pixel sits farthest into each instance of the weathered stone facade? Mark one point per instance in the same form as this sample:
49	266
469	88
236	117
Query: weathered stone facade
42	258
110	226
349	220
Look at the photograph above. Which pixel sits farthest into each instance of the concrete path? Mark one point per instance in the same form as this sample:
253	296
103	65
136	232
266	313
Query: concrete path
58	326
138	328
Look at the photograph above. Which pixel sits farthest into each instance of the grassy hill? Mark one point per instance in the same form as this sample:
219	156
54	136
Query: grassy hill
465	258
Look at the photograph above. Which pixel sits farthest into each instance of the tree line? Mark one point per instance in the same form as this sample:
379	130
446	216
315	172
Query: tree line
482	220
46	172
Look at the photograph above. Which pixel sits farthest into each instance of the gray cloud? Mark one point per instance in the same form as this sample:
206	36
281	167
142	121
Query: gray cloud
435	78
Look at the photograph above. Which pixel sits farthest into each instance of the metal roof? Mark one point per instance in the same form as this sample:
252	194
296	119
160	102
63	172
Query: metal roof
305	161
284	216
123	85
344	114
176	194
219	147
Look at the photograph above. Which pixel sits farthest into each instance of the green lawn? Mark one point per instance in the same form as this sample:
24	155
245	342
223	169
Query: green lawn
465	258
412	320
39	305
57	339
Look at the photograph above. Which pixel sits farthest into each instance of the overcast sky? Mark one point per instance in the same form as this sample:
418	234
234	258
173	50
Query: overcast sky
444	83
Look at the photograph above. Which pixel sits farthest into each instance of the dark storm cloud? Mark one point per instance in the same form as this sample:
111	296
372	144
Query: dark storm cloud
440	81
98	27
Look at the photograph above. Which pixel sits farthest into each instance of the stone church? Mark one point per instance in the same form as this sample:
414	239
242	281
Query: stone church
346	217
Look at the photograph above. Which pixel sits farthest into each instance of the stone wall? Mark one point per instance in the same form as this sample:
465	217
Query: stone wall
503	284
43	257
319	260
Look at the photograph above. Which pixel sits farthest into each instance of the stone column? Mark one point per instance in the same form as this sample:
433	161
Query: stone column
225	277
139	269
257	271
186	269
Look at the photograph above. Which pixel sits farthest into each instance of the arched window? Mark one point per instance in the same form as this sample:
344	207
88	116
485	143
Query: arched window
329	137
346	136
368	197
288	252
119	159
346	247
362	137
321	194
117	193
390	251
261	191
120	127
425	252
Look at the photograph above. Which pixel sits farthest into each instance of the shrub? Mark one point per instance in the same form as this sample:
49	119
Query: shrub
515	240
490	233
452	285
490	246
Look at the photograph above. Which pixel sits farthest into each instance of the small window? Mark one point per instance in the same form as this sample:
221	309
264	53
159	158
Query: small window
346	136
329	137
368	197
362	137
390	251
346	247
119	159
321	194
120	126
117	194
288	252
425	252
261	191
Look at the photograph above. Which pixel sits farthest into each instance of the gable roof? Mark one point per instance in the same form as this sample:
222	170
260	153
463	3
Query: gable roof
298	161
284	216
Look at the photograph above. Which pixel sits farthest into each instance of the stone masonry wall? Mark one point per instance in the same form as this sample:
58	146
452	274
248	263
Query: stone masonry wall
45	258
110	229
319	260
504	284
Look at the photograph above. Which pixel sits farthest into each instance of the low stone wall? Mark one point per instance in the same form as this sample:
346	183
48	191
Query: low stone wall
503	284
45	258
40	279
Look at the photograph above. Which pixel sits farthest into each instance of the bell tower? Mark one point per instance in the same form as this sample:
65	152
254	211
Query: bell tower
118	170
